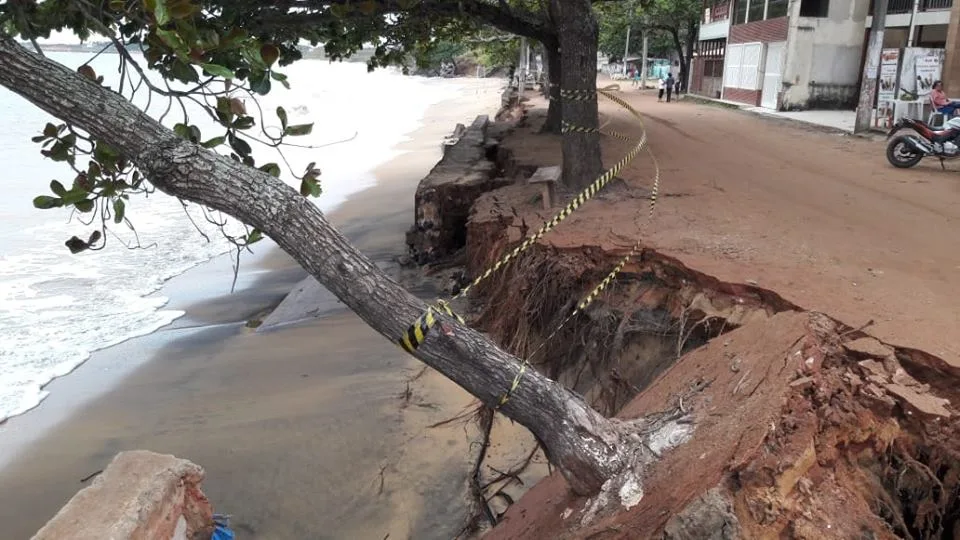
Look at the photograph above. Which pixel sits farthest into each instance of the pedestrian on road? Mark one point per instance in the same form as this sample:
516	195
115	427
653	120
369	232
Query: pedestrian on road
662	86
669	84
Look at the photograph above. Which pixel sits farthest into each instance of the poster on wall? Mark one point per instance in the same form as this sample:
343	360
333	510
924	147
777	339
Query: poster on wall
887	86
921	68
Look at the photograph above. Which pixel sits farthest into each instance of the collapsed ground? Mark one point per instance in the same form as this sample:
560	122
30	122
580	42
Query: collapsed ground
805	426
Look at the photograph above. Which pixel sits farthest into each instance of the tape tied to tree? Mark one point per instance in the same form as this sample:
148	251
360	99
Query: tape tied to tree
417	332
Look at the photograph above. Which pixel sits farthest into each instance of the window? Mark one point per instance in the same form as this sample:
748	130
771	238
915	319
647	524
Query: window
776	8
757	10
740	12
814	8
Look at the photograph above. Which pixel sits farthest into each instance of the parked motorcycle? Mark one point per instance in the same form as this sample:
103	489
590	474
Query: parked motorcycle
905	151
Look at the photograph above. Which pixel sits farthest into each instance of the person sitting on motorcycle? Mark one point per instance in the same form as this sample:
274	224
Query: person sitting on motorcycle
942	102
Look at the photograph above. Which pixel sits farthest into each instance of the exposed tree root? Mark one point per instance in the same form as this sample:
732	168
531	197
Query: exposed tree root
651	315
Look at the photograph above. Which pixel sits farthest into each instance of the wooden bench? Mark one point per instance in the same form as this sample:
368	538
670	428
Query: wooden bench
547	178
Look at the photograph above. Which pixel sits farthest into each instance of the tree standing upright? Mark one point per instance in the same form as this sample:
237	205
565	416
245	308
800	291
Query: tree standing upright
578	31
116	151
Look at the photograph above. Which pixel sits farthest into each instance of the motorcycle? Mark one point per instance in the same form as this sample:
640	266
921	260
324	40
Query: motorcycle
905	151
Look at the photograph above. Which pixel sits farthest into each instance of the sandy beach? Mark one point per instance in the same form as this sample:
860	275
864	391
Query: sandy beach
309	431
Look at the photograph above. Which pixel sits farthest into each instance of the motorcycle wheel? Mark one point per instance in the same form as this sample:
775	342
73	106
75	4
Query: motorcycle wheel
901	155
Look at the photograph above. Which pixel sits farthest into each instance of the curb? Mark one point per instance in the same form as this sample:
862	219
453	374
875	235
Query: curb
710	102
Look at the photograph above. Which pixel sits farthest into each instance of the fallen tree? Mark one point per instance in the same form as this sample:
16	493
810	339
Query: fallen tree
584	445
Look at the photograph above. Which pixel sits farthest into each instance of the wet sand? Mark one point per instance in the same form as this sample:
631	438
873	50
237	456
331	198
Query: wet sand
309	431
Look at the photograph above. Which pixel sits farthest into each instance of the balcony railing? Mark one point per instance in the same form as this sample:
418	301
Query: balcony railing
934	5
895	7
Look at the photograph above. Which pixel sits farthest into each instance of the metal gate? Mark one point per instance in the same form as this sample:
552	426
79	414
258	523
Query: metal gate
772	75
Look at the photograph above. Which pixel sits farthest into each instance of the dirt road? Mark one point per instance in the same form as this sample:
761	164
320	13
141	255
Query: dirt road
820	218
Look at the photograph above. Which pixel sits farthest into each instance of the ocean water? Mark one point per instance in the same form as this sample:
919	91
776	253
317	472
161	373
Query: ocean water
57	308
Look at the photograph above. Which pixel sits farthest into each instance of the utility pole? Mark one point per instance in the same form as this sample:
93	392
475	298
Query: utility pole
871	66
643	64
626	51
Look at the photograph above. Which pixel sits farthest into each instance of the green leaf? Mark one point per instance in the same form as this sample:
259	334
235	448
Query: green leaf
244	122
75	195
260	83
240	146
171	39
85	205
218	71
94	238
76	245
255	236
45	202
50	130
280	78
298	130
183	72
57	188
161	13
310	186
182	130
60	152
118	210
105	153
183	10
214	142
282	115
272	169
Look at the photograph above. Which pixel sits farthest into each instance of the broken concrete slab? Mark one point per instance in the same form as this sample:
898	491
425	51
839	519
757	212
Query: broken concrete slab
141	495
444	197
870	347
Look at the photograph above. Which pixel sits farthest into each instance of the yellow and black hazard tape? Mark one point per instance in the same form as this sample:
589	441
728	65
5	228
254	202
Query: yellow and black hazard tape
591	296
417	332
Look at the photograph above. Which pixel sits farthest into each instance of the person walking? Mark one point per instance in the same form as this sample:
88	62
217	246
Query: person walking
661	87
669	84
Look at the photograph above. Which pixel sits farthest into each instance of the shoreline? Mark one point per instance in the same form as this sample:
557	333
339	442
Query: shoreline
212	321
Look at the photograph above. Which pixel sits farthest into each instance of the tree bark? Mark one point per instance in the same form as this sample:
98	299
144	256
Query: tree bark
675	34
578	32
692	28
552	61
586	447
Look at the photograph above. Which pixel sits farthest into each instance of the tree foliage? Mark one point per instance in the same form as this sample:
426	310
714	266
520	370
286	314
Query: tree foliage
670	25
217	53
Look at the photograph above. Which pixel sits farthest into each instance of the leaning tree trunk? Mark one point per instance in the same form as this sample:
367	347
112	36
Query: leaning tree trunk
551	52
578	32
586	447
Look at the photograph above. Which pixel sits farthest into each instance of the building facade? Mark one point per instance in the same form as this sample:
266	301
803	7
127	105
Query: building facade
706	70
781	54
